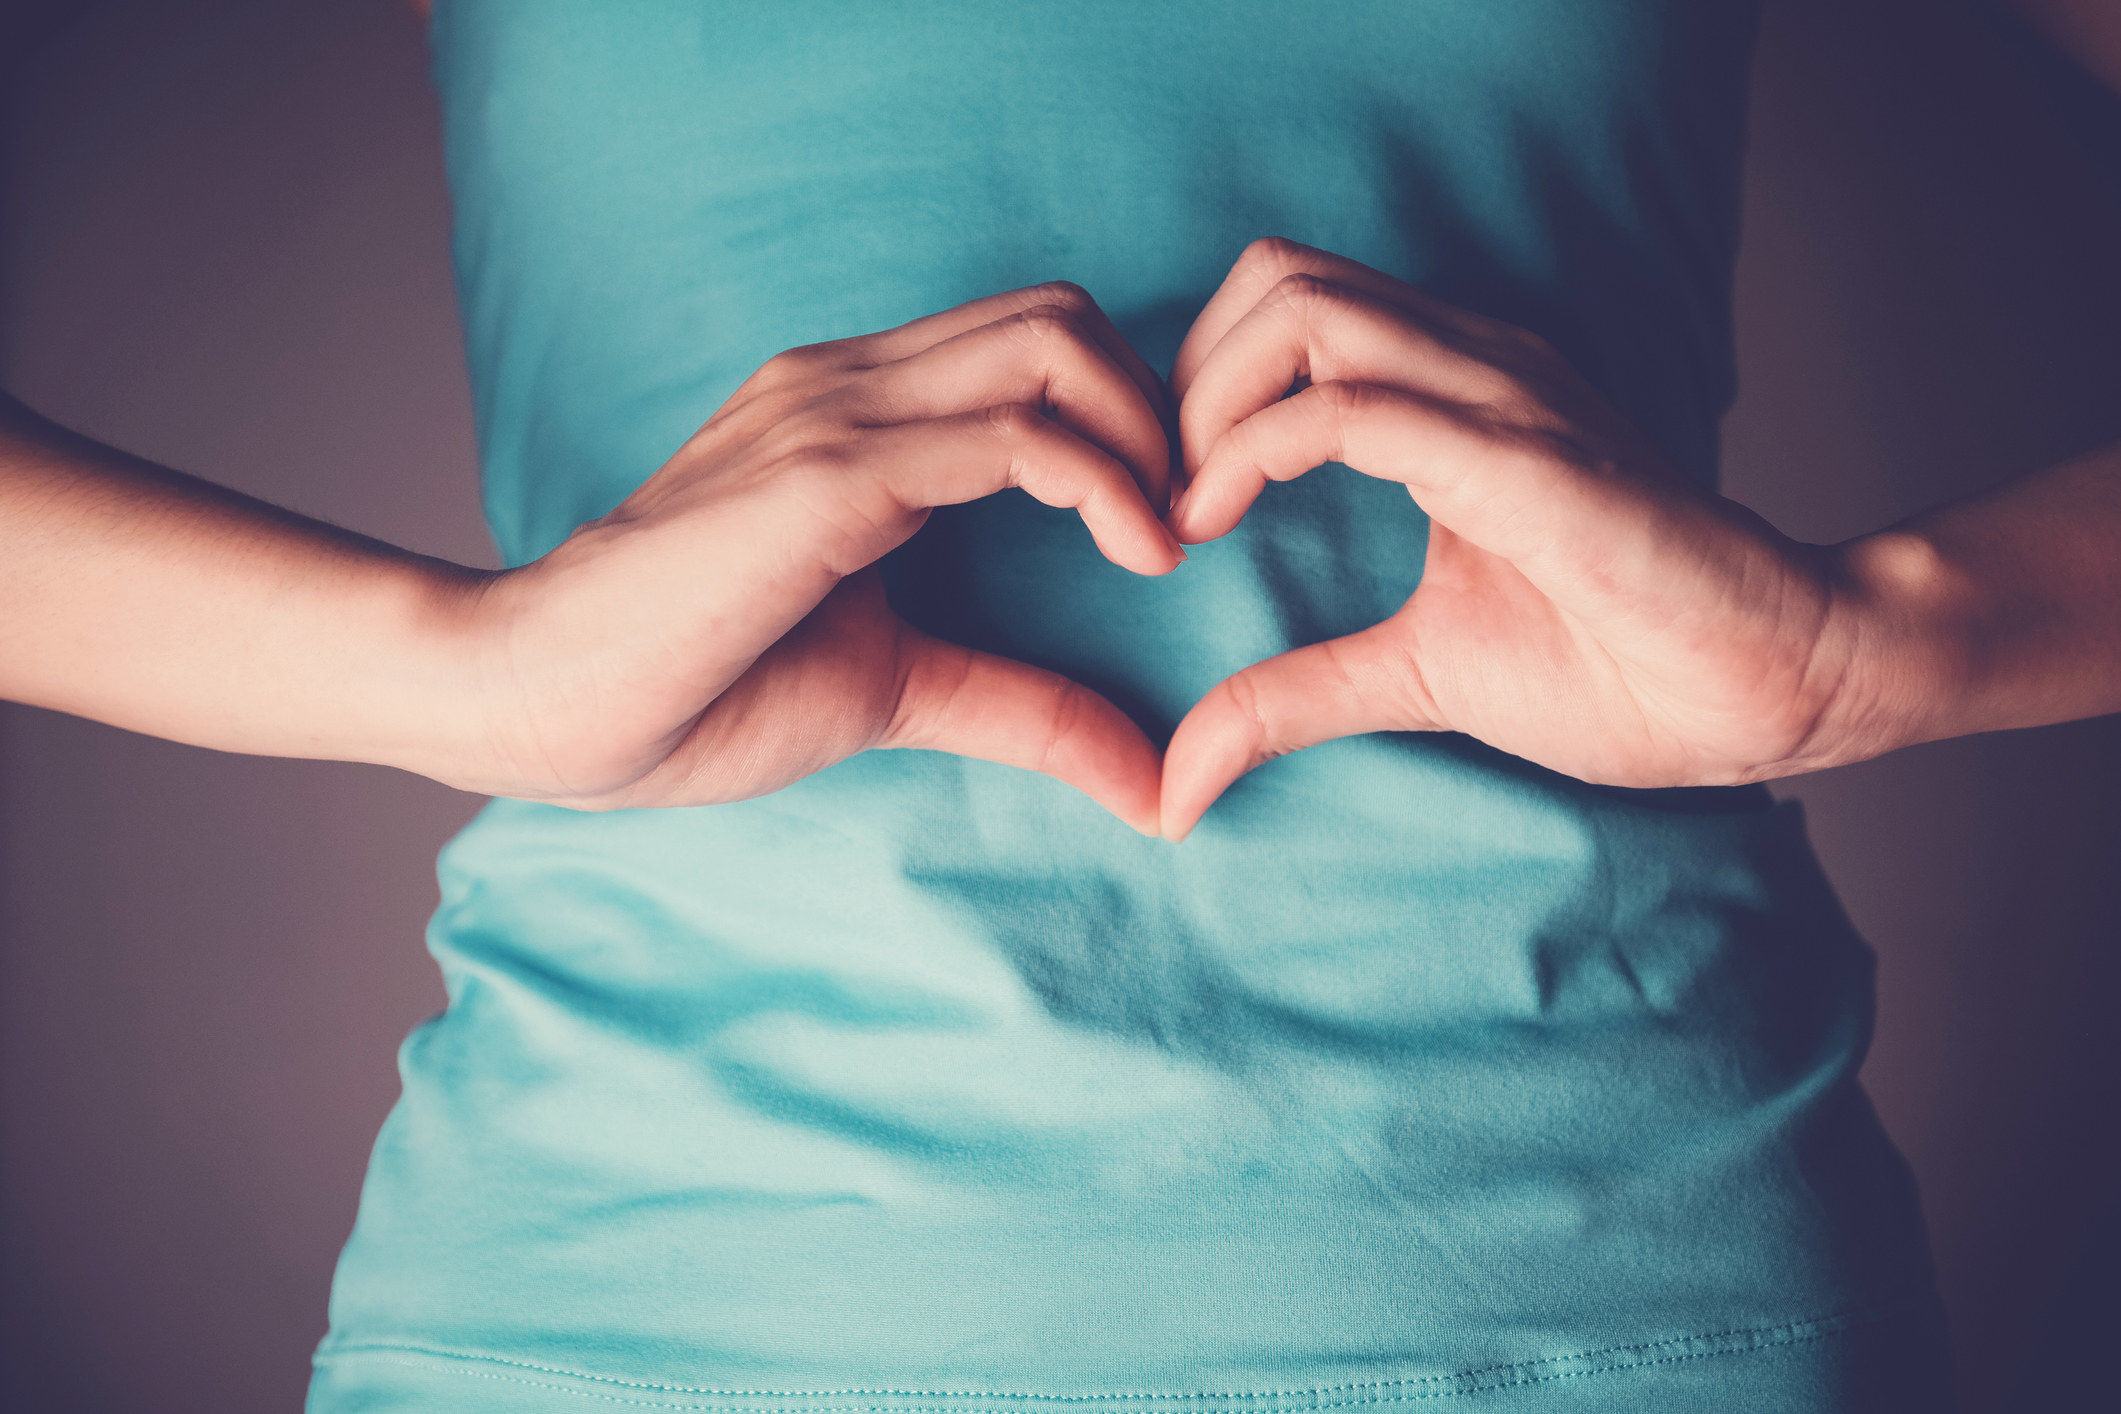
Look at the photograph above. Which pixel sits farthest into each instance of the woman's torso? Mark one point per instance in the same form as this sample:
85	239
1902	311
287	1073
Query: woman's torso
1416	1072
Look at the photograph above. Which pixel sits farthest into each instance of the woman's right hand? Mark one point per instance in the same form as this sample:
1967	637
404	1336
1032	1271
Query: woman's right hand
723	632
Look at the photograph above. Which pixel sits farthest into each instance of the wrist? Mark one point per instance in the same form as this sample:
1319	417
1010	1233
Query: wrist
1903	642
426	701
545	703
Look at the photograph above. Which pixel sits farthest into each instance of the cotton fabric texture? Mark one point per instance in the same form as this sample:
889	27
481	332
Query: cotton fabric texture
1418	1074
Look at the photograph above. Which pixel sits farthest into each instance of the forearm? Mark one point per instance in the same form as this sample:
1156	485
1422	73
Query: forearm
1996	612
147	599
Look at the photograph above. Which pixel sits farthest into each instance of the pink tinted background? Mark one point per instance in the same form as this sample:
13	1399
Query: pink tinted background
224	244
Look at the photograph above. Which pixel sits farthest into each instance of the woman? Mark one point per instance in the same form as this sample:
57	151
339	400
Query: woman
1421	1069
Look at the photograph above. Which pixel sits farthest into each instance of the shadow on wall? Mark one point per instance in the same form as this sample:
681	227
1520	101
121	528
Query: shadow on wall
225	247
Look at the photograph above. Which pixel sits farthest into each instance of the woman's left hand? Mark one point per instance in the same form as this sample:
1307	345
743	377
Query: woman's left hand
1580	605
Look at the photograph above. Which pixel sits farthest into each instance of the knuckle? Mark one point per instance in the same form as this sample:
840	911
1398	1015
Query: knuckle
1063	295
1015	422
1070	707
1301	285
1343	398
789	380
925	691
1244	698
1305	298
1343	404
1409	684
1050	323
793	366
1272	256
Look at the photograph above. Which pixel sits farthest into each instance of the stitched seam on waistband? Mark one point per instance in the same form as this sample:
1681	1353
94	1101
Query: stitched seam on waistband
1738	1341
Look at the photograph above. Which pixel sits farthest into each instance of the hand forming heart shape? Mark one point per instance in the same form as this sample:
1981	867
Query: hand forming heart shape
723	633
1579	605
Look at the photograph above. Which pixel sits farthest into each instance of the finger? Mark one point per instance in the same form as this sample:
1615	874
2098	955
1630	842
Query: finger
1573	526
930	330
1045	356
837	357
875	490
1266	263
1365	682
976	704
1307	328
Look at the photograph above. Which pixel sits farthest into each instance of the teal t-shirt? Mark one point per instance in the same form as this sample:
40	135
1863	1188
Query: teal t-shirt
1416	1073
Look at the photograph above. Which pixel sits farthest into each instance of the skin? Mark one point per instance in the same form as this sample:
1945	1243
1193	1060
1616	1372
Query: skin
718	635
722	633
1580	605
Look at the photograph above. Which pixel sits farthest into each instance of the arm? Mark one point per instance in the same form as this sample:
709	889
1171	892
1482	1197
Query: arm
2003	610
720	634
1579	605
138	596
1999	611
141	597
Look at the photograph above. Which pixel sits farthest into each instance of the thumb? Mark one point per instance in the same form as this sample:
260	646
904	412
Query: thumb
969	703
1365	682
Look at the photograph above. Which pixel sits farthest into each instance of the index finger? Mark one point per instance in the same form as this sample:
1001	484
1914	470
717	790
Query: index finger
929	330
1265	264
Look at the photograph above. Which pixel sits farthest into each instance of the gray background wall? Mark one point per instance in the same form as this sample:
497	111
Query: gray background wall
223	244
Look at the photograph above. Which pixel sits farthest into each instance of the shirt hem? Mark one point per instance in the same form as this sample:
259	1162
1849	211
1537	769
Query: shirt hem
1586	1364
